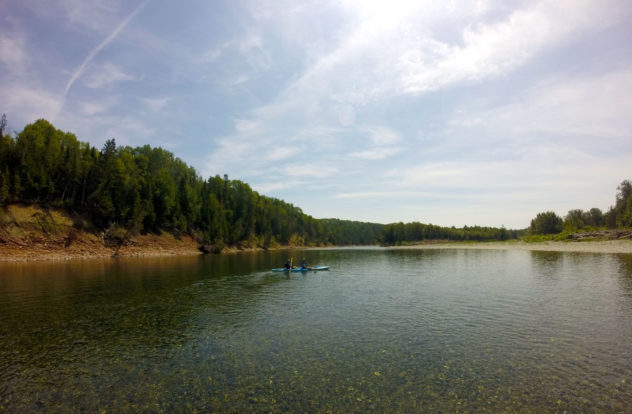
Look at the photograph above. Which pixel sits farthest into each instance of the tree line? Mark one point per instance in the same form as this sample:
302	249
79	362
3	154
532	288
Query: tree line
403	233
147	189
618	216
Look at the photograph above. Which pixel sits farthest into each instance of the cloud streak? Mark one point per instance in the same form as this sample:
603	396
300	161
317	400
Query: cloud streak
360	109
94	52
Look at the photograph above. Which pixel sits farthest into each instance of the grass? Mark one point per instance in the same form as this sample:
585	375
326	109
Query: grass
36	215
568	235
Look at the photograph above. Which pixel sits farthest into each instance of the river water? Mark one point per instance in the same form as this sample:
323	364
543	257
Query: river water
384	330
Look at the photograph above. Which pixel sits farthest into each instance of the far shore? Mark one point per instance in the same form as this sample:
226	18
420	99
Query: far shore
189	248
599	246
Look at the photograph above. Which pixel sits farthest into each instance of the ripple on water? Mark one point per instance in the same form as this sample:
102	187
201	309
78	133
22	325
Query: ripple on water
383	331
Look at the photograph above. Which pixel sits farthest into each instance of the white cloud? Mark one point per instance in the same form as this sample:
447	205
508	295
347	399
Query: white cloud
12	52
213	55
377	194
491	49
26	103
246	126
312	170
113	35
93	108
348	87
252	48
272	186
281	154
588	114
384	142
374	154
248	55
381	136
597	106
400	55
511	192
95	124
91	15
238	80
256	147
549	170
156	105
105	75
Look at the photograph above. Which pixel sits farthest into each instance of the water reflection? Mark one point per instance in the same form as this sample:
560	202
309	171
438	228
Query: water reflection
625	266
383	331
624	262
547	264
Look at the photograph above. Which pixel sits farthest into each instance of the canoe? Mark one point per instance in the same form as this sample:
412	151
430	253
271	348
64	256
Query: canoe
301	269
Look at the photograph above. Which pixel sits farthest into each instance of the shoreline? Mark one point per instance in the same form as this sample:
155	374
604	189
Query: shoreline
188	247
86	251
593	246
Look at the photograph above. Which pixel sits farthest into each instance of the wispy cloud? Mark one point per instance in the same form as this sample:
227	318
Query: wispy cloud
383	143
106	75
374	153
91	14
313	170
87	16
377	194
156	105
79	71
281	154
383	110
93	108
12	53
252	48
550	170
268	187
490	49
596	107
390	55
26	103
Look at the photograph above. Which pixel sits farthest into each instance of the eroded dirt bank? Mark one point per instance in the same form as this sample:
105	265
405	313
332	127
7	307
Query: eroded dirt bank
30	233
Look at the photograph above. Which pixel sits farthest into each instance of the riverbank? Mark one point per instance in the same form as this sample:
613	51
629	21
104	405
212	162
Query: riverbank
29	233
90	247
599	246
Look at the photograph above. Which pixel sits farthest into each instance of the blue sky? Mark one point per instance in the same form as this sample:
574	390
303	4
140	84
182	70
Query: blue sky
451	113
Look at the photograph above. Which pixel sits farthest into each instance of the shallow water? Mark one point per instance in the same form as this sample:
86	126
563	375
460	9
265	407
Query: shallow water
382	331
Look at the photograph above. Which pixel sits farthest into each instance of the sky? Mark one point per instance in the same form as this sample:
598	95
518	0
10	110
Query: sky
445	112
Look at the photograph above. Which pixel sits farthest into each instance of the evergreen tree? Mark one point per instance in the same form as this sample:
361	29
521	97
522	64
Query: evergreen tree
148	189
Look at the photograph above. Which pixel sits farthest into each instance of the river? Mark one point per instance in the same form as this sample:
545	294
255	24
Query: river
384	330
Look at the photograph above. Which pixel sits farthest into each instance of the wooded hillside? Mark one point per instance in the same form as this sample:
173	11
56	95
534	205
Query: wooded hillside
147	189
131	191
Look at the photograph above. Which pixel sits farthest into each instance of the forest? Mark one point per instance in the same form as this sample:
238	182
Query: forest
402	233
548	223
619	216
145	189
125	190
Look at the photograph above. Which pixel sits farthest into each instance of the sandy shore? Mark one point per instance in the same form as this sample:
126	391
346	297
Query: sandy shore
606	246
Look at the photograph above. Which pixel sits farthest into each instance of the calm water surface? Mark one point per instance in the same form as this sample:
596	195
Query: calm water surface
382	331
